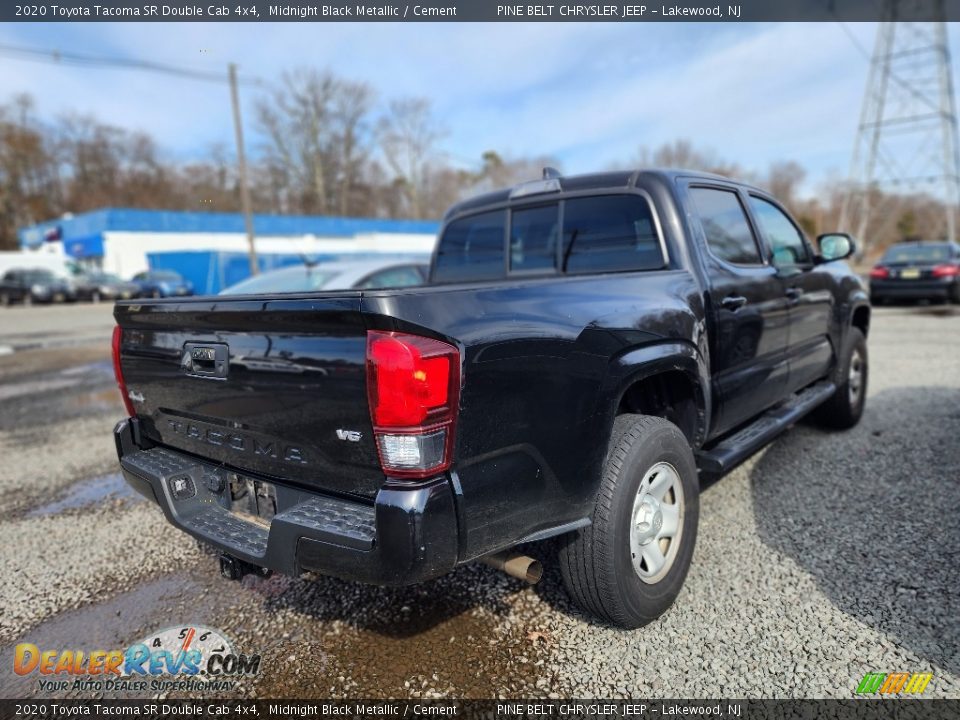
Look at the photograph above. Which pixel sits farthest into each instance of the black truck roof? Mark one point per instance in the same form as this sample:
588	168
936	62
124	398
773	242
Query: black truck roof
590	181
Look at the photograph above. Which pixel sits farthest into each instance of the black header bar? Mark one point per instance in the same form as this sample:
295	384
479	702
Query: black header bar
473	11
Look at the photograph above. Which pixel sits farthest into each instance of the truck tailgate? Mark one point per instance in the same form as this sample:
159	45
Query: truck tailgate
273	387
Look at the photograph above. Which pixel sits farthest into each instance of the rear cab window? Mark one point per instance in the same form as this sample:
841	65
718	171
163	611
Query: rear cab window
472	249
589	234
610	233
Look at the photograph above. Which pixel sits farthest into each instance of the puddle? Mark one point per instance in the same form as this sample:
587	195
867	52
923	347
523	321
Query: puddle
88	492
103	367
937	311
444	638
115	622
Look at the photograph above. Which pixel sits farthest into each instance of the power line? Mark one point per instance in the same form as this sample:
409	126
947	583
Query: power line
94	61
58	57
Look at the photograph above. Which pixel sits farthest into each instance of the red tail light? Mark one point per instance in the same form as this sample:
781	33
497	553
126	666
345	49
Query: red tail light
118	371
879	273
942	271
413	386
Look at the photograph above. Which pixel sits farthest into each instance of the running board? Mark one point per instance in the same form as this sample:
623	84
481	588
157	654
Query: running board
733	450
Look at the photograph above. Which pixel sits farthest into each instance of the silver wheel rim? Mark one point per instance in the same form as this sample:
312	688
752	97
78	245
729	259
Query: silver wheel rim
855	377
656	523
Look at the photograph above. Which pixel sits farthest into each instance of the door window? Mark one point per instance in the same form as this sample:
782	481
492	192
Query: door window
784	238
725	226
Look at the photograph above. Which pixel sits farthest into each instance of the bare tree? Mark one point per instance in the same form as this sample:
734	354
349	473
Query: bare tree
682	154
784	179
409	136
351	111
316	125
29	190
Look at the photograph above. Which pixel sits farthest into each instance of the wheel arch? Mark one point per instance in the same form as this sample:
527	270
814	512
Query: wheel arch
860	318
667	380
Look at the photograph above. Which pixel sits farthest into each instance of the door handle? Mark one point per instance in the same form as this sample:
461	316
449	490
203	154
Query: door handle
793	293
733	302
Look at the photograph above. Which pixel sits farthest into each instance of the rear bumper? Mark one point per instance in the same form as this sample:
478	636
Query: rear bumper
938	288
408	535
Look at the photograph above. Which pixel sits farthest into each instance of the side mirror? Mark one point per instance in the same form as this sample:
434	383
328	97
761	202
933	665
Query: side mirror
835	246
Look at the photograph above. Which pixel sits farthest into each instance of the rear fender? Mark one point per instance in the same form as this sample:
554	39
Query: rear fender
641	363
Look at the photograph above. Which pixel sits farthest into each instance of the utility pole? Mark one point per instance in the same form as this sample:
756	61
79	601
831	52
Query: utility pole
907	137
242	171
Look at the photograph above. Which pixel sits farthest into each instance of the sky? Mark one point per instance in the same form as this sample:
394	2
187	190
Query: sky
590	95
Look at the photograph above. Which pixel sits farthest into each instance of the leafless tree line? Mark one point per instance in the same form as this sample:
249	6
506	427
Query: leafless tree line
895	217
328	146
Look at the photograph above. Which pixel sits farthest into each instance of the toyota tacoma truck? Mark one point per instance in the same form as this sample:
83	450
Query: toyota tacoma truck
588	350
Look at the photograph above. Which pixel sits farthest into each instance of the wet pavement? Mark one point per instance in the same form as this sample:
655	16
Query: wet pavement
94	491
773	607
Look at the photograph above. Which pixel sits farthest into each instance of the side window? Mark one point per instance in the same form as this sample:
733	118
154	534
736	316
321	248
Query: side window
395	277
610	233
472	249
785	239
725	226
534	233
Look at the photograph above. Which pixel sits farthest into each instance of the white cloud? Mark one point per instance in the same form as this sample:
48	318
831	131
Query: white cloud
590	94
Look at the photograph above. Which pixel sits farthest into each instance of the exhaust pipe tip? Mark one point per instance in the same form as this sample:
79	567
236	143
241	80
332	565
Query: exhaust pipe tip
534	572
522	567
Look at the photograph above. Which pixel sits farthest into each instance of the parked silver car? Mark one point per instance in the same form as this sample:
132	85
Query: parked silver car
337	275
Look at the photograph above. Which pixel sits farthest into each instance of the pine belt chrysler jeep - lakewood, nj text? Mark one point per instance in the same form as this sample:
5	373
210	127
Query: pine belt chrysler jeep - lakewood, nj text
587	349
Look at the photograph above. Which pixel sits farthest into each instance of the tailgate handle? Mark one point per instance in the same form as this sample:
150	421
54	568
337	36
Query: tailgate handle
210	360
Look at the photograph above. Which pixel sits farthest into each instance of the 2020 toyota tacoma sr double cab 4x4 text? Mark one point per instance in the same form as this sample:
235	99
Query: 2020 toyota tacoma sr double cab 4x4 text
587	350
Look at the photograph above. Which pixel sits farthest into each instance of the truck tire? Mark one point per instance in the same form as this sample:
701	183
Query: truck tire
628	566
845	407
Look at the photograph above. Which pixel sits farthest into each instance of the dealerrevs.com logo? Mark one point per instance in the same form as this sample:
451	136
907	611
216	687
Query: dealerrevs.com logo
200	658
894	683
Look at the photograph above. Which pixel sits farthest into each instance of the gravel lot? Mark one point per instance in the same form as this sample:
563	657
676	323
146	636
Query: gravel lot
826	556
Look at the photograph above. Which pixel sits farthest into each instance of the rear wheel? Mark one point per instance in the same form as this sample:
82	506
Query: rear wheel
628	566
845	407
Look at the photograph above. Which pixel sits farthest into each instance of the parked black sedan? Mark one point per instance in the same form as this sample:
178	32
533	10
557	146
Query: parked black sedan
917	271
162	283
99	286
28	286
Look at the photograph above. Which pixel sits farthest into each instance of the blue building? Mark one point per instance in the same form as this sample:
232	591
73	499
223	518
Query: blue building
210	249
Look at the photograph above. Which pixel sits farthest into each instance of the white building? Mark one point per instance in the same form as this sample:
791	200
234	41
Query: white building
210	249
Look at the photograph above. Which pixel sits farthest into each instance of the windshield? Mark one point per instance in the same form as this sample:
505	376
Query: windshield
40	276
104	278
166	276
917	254
284	281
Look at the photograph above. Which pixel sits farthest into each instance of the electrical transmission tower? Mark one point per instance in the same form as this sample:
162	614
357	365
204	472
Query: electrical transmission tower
906	145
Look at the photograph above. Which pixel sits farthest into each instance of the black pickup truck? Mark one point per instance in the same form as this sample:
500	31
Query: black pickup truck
587	350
